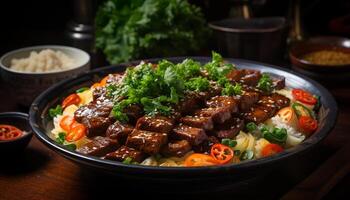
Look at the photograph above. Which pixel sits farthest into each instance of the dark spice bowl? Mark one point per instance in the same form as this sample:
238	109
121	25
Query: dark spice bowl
261	39
316	71
184	179
19	120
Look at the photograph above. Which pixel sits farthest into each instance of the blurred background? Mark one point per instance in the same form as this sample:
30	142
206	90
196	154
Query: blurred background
53	22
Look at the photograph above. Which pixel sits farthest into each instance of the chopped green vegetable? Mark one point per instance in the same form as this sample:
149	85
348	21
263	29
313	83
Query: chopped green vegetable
231	90
61	138
71	147
247	155
302	110
127	160
127	30
229	142
53	112
265	83
251	126
237	152
198	84
277	135
82	89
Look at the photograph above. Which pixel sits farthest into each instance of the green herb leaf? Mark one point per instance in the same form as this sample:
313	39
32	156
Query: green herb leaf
198	84
53	112
82	89
231	90
265	83
127	160
247	155
251	126
61	138
71	147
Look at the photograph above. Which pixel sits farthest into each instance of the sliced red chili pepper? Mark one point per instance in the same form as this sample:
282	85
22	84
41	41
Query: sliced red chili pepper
199	159
304	96
271	149
307	124
70	100
77	132
67	122
221	153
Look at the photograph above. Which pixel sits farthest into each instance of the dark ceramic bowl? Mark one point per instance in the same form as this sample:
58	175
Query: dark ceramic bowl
243	171
258	39
19	120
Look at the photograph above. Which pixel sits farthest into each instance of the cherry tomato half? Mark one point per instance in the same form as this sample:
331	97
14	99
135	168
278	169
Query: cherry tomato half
76	133
199	159
8	132
70	100
307	124
271	149
67	122
221	153
304	96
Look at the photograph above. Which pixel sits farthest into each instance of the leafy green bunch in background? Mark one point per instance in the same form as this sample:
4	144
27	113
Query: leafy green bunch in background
133	29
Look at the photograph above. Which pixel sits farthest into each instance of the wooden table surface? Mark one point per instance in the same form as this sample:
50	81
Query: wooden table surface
40	173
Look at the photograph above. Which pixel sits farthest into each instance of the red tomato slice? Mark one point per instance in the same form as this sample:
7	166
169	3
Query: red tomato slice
70	100
271	149
221	153
67	122
304	96
198	160
77	132
307	124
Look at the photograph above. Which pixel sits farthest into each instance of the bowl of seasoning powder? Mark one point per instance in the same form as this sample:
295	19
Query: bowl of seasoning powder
322	58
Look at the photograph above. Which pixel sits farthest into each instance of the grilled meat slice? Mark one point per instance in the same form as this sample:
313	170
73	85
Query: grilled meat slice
158	124
278	82
250	77
95	116
219	115
205	123
186	105
229	129
247	100
126	152
193	135
223	101
119	131
176	148
205	146
146	141
99	92
235	75
99	146
280	100
258	114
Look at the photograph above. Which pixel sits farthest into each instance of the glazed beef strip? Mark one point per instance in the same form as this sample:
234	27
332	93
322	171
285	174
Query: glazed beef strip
223	101
206	145
218	115
119	131
176	148
158	124
95	116
205	123
229	129
193	135
147	141
99	146
126	152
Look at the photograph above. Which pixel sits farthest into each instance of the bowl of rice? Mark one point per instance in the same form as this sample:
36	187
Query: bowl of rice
29	71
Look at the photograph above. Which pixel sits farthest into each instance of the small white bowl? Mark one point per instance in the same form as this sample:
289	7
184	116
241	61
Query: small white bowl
28	85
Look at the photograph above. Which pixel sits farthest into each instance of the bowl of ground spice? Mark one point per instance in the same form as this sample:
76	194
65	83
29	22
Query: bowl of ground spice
321	54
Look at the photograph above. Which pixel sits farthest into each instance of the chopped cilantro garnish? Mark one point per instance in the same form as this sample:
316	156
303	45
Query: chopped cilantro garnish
197	84
53	112
265	83
231	89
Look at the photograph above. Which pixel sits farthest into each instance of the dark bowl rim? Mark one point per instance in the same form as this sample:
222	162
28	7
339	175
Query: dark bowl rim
20	115
214	25
106	164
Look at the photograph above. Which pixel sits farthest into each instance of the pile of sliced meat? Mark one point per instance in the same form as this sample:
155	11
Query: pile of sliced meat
199	120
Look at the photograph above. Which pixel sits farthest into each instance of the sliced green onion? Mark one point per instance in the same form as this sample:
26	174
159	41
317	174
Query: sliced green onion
247	155
53	112
127	160
229	142
251	126
82	89
71	147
